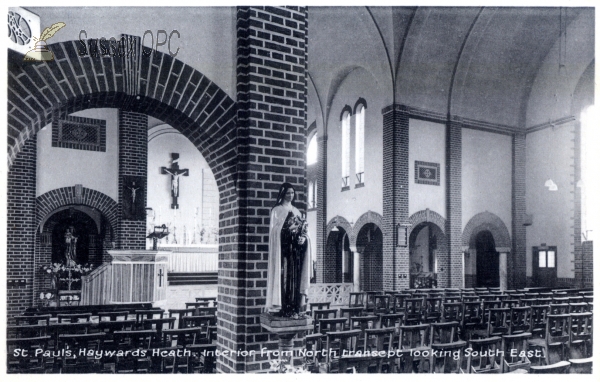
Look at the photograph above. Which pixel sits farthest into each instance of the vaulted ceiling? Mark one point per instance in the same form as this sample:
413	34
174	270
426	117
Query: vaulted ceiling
482	63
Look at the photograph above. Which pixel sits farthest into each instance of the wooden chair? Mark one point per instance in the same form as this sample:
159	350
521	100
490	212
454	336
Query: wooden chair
27	331
397	302
203	359
578	307
561	367
473	319
391	320
559	308
327	325
520	319
381	304
143	314
207	311
134	361
484	357
471	298
447	358
356	299
514	352
531	295
414	348
338	343
555	340
350	312
211	300
56	329
580	342
491	304
452	311
183	337
496	322
43	319
314	346
204	322
412	311
74	317
539	314
22	356
361	364
444	332
113	316
433	310
529	301
179	313
370	300
581	366
451	299
510	303
363	322
78	362
318	306
320	314
159	324
560	300
199	304
379	339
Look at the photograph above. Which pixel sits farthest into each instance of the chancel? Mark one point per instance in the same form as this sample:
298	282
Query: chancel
376	189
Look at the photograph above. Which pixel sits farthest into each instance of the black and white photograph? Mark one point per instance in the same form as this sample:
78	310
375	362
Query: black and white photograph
300	189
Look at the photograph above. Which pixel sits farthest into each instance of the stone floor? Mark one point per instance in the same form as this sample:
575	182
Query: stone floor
178	295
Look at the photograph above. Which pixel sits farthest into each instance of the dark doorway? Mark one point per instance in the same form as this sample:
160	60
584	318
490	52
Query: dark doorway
544	266
338	258
88	246
371	239
488	260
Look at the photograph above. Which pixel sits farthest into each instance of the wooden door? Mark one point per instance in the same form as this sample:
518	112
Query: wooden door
544	266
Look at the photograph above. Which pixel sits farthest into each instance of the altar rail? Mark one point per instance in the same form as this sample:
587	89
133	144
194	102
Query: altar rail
335	293
96	287
193	259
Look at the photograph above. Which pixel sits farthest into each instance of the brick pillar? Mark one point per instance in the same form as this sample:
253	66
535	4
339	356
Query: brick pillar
20	236
321	205
517	261
395	196
452	275
578	251
271	94
133	162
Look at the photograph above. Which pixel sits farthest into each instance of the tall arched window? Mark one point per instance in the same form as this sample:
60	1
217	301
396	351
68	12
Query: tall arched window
312	153
346	147
360	143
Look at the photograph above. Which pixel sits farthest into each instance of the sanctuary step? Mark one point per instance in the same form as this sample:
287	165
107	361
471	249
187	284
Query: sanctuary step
204	278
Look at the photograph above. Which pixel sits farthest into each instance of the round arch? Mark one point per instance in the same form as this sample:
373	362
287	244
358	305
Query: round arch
487	221
426	216
338	221
364	219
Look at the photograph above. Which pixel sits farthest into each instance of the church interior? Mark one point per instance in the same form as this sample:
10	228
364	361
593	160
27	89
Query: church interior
443	158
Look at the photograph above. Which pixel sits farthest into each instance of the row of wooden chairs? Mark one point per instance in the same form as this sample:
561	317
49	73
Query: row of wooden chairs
172	350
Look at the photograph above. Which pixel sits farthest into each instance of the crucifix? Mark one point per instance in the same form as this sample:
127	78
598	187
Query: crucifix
175	173
160	276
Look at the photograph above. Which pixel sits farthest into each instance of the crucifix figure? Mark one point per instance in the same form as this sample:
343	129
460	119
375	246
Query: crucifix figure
133	189
175	173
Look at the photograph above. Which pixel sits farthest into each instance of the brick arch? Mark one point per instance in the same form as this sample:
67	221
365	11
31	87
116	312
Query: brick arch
366	218
426	216
490	222
341	222
60	197
146	83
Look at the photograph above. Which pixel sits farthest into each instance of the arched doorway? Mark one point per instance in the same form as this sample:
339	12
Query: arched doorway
425	242
369	243
338	257
487	261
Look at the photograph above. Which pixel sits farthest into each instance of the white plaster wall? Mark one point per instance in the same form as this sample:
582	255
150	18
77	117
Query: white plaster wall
207	42
486	175
550	156
62	167
198	193
426	143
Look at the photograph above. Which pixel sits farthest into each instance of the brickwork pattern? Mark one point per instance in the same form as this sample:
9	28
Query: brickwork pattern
426	216
321	205
578	262
332	261
271	115
588	264
133	160
486	221
395	195
452	276
20	236
43	255
517	261
51	200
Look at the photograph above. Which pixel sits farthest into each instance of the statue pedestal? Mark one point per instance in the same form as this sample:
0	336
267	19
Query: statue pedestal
286	329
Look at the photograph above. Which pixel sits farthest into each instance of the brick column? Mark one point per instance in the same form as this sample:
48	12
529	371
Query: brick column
271	94
20	236
517	261
133	161
321	205
395	195
578	251
452	275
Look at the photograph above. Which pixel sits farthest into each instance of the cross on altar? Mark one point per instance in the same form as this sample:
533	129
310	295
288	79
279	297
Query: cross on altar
175	173
160	276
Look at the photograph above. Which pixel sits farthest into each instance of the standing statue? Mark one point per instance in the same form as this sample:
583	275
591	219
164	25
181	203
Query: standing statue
71	251
288	275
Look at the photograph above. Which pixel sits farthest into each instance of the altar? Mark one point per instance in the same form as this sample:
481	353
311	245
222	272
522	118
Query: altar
132	276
